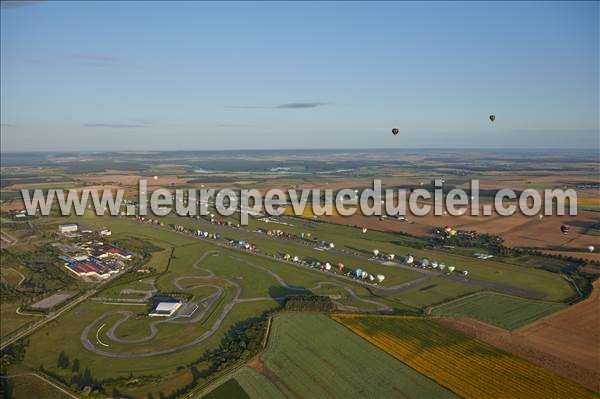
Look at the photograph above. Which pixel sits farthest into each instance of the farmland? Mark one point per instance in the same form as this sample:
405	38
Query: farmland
469	368
309	355
504	311
562	342
125	351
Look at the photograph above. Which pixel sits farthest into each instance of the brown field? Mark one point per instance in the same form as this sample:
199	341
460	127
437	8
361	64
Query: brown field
468	367
566	342
517	230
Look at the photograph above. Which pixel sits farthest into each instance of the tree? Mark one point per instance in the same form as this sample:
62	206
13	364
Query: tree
75	367
63	360
6	387
86	378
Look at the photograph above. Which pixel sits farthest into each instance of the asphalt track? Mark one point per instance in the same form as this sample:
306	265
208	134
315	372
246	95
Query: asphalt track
210	300
205	304
387	290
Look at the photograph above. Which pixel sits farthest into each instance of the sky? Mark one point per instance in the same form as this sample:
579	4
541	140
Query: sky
92	76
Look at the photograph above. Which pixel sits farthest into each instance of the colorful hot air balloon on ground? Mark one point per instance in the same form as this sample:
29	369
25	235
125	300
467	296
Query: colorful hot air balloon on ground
492	118
380	278
395	131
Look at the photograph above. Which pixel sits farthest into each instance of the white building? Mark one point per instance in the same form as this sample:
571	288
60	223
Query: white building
165	309
68	228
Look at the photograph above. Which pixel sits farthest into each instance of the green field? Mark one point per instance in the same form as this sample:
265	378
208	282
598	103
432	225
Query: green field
552	285
260	280
247	270
229	390
30	386
433	291
500	310
310	355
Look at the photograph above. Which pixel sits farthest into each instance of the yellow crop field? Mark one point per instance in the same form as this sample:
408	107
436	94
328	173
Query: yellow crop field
470	368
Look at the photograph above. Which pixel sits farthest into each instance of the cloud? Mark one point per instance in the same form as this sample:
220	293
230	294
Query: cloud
95	60
5	4
280	106
300	105
114	125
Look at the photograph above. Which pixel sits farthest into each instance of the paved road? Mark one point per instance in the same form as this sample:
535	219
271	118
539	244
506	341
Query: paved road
387	290
205	304
35	326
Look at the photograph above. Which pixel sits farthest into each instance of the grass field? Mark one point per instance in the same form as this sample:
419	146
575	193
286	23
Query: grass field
163	374
30	386
433	291
504	311
468	367
228	390
309	355
552	285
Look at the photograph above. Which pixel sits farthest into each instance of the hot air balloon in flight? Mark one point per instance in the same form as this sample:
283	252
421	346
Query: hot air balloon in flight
375	252
492	118
395	131
565	229
591	248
